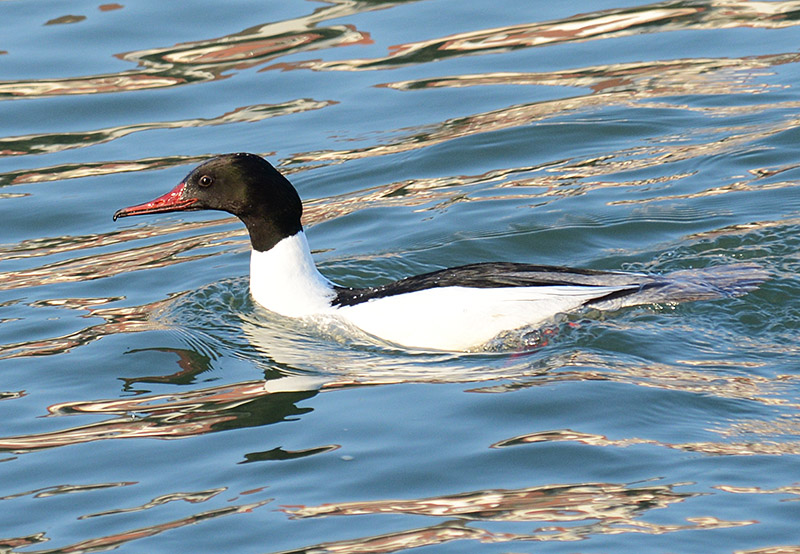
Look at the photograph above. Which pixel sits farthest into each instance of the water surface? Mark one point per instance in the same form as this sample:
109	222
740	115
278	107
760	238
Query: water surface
148	405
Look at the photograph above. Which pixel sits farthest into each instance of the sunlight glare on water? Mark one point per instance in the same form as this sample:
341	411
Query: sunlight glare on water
149	405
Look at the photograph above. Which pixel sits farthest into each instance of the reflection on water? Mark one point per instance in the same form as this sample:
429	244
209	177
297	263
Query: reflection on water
78	170
643	82
65	489
759	448
602	501
456	530
192	497
656	18
112	542
606	508
66	19
646	79
732	109
170	416
116	320
207	60
98	266
47	143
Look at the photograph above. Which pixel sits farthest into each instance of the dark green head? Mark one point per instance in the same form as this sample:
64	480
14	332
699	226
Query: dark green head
244	185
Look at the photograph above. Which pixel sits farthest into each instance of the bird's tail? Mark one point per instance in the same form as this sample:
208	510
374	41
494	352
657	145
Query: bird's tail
687	285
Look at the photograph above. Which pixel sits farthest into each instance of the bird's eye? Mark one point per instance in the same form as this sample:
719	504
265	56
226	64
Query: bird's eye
205	181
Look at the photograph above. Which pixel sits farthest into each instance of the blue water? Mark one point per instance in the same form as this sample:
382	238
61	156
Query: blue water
148	406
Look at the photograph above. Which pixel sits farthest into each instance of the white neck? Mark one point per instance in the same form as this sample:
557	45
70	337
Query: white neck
285	280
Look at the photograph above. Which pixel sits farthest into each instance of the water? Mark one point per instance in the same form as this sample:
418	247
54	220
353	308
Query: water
148	406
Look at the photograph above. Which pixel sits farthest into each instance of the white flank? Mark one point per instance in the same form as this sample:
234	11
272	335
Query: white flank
461	318
285	280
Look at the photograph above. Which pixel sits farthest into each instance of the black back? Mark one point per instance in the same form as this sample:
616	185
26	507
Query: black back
497	275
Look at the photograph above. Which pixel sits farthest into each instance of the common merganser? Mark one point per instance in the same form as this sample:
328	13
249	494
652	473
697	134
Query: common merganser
455	309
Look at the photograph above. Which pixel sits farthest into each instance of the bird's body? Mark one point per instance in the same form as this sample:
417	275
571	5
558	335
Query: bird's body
460	308
409	312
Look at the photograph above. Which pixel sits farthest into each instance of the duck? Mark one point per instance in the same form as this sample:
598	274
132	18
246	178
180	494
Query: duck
456	309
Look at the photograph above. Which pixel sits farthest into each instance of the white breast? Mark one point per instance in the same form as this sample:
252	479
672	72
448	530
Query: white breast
285	280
